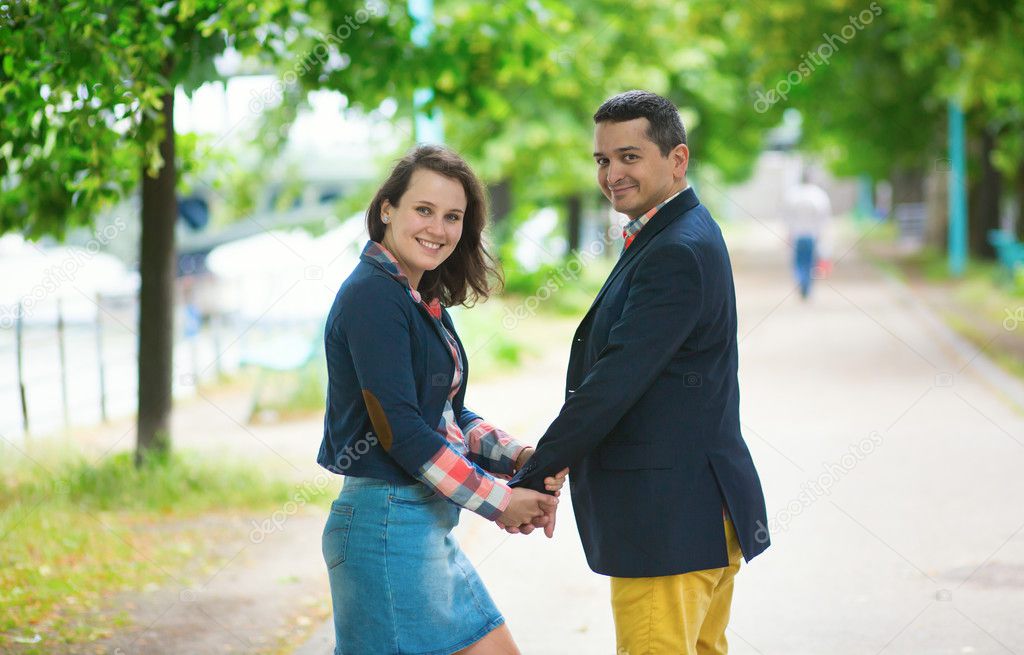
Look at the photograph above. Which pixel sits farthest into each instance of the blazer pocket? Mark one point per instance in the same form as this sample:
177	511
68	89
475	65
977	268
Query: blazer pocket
633	456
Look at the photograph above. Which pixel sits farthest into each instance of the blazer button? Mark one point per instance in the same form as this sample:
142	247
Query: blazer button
572	391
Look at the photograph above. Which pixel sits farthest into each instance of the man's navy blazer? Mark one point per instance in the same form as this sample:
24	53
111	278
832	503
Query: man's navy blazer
650	428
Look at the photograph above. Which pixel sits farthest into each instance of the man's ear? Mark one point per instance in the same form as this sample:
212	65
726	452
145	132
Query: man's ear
680	157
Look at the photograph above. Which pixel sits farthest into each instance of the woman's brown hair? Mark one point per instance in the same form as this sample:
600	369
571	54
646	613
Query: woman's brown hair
467	274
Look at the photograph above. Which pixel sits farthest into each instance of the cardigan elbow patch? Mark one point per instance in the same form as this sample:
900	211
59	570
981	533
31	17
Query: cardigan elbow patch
378	419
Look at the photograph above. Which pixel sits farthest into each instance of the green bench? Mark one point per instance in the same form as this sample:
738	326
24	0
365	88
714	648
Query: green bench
1009	251
279	362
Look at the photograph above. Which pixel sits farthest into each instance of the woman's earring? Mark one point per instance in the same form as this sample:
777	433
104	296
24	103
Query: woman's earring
385	218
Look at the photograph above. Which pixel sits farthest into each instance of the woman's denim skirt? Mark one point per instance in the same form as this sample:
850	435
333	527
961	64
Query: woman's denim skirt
400	584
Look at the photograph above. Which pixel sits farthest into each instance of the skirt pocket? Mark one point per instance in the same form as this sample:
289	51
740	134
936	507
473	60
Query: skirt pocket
413	494
335	537
439	603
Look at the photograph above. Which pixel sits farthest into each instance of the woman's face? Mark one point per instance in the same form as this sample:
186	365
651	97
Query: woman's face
426	225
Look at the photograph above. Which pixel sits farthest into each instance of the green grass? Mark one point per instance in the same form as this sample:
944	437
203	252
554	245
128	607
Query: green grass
984	288
967	329
291	394
930	264
874	232
974	305
73	533
179	483
983	274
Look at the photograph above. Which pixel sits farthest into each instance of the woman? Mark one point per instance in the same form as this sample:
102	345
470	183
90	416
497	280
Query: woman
396	427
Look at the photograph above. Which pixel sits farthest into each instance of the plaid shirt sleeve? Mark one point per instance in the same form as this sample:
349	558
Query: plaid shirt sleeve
490	447
465	484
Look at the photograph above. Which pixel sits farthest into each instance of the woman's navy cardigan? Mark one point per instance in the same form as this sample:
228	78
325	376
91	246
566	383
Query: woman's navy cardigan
389	374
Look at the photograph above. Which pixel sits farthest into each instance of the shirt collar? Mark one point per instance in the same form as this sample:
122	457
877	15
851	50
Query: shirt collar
634	226
379	255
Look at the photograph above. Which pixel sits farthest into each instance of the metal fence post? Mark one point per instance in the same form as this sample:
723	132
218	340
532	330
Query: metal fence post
18	339
100	359
63	364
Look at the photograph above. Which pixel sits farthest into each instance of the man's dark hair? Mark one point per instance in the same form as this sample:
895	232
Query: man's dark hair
666	129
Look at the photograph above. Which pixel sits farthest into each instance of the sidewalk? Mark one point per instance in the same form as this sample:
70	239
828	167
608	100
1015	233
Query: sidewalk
917	547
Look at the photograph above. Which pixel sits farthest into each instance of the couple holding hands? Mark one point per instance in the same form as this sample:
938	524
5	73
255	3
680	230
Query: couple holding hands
665	494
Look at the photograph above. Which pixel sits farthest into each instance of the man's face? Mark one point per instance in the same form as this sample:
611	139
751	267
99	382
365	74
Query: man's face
632	172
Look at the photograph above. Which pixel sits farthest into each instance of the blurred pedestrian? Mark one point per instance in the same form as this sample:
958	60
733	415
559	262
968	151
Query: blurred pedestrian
808	214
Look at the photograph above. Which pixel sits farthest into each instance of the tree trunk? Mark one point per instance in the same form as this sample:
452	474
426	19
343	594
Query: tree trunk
1019	194
985	197
501	201
907	186
574	220
157	266
936	193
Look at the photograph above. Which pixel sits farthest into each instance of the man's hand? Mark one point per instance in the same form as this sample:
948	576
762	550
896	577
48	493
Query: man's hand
557	481
552	483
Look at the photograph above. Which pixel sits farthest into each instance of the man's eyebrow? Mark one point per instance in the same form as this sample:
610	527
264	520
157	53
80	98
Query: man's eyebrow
427	202
622	149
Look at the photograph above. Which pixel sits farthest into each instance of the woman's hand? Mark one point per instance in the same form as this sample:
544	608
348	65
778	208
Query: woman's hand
527	506
524	456
546	519
547	522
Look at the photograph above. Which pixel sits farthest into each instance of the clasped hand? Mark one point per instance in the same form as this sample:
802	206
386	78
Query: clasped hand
531	509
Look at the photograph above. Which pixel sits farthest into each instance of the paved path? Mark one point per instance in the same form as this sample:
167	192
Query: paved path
918	545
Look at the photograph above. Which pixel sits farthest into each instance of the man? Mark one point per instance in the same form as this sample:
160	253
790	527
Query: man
808	212
666	496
